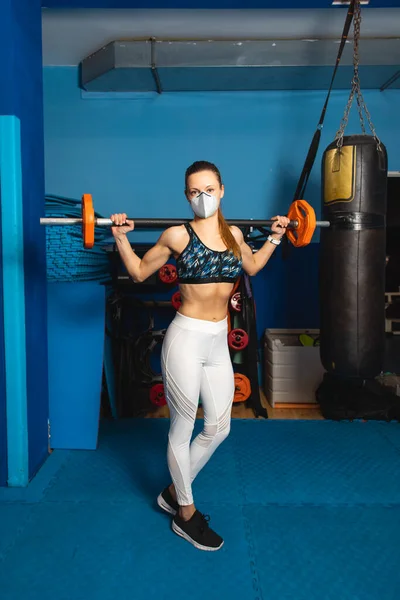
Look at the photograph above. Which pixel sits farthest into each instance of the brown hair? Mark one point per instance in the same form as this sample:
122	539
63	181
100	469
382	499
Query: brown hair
226	234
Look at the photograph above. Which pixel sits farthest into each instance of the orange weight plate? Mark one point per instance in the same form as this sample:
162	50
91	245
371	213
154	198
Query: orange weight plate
304	214
87	221
242	388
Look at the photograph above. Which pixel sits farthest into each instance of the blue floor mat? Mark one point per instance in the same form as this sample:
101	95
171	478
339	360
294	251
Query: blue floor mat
326	552
391	432
136	469
324	463
308	510
75	551
12	522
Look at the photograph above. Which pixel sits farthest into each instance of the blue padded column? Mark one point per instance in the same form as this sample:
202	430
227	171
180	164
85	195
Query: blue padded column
21	98
13	301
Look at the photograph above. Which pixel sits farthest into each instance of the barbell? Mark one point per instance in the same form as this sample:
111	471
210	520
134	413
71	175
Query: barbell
300	230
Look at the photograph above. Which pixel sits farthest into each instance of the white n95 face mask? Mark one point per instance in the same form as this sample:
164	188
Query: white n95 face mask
204	205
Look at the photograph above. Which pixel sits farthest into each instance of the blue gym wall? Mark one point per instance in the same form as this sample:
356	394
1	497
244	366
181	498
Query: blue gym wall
131	154
21	95
29	73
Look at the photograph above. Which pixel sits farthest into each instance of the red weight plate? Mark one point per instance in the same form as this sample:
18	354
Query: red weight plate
236	302
157	396
168	274
238	339
176	300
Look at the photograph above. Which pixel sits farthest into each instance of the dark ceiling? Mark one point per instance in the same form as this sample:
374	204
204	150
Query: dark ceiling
206	4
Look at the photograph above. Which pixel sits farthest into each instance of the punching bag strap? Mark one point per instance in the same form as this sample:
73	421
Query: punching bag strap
312	152
356	221
356	88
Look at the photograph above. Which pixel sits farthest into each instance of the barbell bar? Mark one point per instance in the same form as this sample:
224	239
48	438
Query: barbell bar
300	231
159	223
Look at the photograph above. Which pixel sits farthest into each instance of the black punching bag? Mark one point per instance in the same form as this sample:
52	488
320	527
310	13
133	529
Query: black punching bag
352	260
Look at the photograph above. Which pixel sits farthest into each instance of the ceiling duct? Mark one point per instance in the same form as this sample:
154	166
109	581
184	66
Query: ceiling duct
221	65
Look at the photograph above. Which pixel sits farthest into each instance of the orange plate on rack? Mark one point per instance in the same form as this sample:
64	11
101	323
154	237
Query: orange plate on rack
242	388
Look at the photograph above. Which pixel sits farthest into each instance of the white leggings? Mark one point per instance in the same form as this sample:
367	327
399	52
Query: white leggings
195	363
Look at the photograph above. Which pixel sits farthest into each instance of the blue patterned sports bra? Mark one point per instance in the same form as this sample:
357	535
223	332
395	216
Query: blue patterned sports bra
199	264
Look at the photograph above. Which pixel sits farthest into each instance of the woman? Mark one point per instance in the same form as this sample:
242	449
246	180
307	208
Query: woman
195	355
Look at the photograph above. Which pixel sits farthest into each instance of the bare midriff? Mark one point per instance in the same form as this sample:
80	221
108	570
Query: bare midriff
206	301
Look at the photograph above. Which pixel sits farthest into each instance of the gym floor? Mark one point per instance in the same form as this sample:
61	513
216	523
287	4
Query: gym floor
309	510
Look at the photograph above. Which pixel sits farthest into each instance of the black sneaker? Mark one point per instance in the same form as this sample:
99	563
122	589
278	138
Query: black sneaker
167	503
198	532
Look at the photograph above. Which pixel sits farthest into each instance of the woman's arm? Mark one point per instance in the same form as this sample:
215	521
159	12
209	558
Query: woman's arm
141	269
254	262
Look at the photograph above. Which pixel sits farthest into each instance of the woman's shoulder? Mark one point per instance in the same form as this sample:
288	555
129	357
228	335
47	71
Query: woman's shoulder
176	237
237	233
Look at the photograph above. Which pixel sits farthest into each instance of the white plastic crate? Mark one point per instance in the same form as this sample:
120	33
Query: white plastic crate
292	372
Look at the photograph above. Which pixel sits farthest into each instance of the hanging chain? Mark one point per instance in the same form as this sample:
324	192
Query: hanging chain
356	87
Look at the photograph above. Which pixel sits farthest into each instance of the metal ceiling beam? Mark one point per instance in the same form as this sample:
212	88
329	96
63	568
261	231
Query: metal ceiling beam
213	65
391	81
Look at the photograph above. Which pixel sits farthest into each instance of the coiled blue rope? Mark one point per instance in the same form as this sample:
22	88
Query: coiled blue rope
67	259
